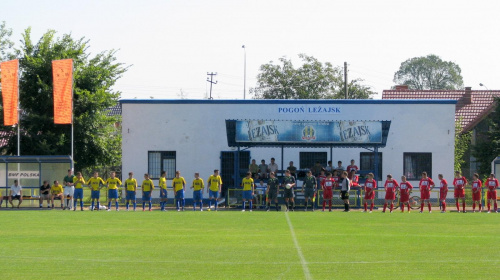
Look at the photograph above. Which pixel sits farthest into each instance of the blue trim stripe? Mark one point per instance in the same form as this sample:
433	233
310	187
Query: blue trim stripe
289	101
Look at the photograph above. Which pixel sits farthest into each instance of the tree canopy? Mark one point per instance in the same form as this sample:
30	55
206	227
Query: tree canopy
96	140
429	73
5	42
487	146
312	80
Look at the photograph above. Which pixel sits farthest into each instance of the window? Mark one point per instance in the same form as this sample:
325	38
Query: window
308	159
161	161
416	163
367	162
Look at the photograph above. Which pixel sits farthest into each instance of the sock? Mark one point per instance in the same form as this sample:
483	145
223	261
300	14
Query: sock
371	206
293	205
489	206
74	206
287	205
183	203
109	204
244	204
277	206
480	207
194	206
307	204
268	204
385	206
422	207
67	203
251	204
430	207
201	205
444	206
348	206
463	206
98	204
126	205
135	205
402	207
366	207
324	205
150	204
496	207
408	207
392	206
143	205
209	203
41	204
473	206
215	206
116	204
81	204
178	204
92	205
458	207
330	205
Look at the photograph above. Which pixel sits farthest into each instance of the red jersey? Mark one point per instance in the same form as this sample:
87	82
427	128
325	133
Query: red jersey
492	184
354	181
405	188
425	184
443	185
328	183
336	179
351	168
459	183
390	186
370	185
321	179
477	185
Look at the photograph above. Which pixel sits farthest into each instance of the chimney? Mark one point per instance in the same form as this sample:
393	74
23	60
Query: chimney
401	87
468	95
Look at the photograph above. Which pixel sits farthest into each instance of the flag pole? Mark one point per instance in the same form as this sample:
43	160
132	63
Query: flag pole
72	118
18	115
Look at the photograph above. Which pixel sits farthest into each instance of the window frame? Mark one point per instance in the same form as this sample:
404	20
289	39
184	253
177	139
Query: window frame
418	171
164	155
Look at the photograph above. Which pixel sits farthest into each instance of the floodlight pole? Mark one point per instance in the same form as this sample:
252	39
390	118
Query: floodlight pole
244	72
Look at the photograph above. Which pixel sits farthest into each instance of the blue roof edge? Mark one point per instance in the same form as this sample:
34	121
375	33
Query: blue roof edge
288	101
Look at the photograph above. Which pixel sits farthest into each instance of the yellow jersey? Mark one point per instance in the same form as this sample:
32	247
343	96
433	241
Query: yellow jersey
147	185
78	182
178	183
131	184
214	182
247	184
56	189
163	183
198	184
95	183
113	183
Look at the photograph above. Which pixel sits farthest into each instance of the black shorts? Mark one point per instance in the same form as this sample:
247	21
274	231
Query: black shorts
18	197
344	194
308	192
288	193
272	194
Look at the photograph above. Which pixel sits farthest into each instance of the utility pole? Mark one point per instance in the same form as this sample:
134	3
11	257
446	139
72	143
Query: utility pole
211	81
345	81
244	72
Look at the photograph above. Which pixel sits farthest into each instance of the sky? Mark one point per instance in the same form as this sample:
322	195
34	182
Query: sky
172	45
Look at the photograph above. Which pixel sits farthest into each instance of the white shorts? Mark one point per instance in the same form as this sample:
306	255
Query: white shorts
69	191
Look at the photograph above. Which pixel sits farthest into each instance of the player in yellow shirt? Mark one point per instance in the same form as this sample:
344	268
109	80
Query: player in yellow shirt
78	182
147	188
57	192
113	184
163	190
197	187
214	184
131	189
95	184
179	185
248	190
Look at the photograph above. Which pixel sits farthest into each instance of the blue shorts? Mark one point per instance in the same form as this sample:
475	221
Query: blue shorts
197	195
163	193
130	195
213	194
146	196
247	195
95	194
113	193
78	194
179	194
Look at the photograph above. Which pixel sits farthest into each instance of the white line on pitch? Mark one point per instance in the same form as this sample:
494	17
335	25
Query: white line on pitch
303	262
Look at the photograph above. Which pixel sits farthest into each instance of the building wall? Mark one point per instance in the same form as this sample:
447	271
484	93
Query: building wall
196	130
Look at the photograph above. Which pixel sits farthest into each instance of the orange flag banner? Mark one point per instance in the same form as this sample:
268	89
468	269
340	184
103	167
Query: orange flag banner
10	91
62	74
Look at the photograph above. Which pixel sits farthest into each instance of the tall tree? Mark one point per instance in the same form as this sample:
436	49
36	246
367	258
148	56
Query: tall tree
312	80
429	72
487	146
5	42
97	143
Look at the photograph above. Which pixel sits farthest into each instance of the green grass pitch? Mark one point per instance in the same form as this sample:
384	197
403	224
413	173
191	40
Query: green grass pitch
234	245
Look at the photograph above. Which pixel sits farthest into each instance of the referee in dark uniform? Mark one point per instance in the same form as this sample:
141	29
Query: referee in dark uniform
345	187
288	193
309	189
272	191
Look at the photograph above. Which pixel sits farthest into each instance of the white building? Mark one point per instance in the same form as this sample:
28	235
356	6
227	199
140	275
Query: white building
411	136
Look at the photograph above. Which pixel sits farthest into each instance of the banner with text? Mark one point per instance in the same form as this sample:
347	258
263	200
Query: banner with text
62	73
335	132
10	91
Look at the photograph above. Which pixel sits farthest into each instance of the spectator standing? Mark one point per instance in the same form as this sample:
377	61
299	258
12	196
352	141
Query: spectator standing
329	167
69	189
340	167
352	166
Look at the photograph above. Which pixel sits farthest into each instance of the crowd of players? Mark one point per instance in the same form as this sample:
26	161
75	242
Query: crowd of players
327	179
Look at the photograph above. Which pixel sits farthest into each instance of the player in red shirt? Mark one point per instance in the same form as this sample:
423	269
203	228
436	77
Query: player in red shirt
426	185
327	186
352	167
370	187
355	182
390	187
443	192
321	177
459	183
336	178
476	192
492	185
404	193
